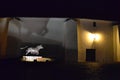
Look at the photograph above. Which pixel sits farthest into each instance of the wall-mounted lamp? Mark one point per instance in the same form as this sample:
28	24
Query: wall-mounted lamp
94	37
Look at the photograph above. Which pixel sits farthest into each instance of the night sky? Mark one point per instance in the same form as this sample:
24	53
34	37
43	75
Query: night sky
97	9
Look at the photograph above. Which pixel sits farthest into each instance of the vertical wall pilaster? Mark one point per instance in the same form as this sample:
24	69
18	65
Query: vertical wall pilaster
116	44
3	36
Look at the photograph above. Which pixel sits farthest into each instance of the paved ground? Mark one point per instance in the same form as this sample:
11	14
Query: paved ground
57	71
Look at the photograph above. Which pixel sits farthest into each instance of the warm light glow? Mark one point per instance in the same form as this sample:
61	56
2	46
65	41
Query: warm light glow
93	37
30	58
97	37
35	58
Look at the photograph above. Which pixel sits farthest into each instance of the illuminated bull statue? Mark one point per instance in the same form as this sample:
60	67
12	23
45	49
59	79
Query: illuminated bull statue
32	50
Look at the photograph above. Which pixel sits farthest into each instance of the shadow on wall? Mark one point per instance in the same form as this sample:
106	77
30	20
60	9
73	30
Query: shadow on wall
12	47
71	55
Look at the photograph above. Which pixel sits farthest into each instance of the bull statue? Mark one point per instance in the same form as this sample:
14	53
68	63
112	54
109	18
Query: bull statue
34	50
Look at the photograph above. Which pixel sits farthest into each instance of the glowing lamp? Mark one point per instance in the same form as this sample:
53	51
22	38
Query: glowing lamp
94	37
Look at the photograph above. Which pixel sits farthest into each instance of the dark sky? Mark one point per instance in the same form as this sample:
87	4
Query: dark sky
96	9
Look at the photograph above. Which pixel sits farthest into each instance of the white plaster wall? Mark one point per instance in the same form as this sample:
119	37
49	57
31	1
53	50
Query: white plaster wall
56	29
70	41
116	43
70	35
31	29
104	47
